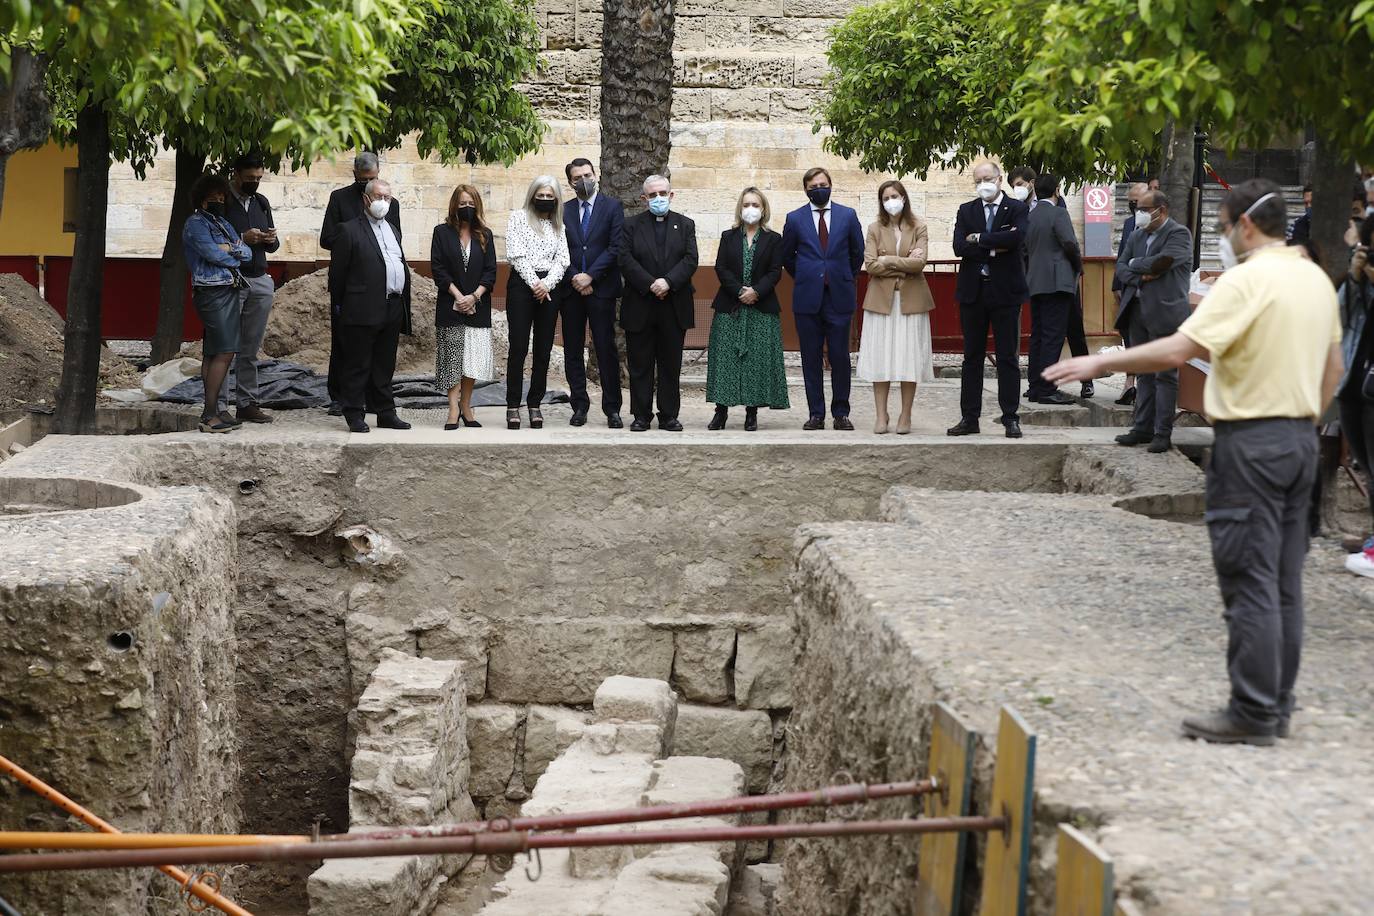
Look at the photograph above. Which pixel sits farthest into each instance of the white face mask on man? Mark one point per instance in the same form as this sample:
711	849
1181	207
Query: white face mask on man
1226	249
988	190
1020	192
379	208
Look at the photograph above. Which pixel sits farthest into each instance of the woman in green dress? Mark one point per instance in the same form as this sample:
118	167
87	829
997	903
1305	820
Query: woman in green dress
744	364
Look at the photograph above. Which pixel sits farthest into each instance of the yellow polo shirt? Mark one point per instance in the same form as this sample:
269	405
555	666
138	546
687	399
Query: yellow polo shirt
1269	324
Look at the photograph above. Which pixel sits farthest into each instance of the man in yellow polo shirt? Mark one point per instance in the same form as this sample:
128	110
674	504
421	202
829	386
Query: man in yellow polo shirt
1271	329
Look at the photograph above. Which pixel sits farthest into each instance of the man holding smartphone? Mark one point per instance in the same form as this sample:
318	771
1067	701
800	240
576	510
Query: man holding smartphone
251	214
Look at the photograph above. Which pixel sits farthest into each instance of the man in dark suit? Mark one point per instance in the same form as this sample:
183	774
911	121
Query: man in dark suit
988	235
1053	264
1134	194
346	205
823	250
369	293
594	224
1154	270
658	254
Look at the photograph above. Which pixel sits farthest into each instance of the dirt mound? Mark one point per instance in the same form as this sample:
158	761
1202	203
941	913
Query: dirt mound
31	349
298	329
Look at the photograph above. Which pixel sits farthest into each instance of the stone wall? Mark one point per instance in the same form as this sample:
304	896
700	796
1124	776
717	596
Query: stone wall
117	667
747	75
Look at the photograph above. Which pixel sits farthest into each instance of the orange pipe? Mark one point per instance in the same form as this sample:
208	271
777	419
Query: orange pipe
34	839
43	790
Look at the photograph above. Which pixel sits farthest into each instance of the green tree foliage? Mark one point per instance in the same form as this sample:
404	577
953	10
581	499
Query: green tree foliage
454	84
920	83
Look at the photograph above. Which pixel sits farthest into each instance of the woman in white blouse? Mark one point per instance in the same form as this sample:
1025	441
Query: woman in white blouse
538	254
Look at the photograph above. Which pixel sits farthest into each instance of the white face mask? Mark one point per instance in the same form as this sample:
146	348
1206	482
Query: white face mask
988	190
894	206
1143	218
1226	249
1020	192
379	208
751	214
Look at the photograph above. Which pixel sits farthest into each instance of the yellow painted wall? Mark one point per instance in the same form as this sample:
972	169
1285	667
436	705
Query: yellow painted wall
31	222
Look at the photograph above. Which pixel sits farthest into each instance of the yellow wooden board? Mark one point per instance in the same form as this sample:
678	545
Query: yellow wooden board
1083	881
940	869
1008	857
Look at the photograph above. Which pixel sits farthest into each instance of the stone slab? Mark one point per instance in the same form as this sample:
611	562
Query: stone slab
743	736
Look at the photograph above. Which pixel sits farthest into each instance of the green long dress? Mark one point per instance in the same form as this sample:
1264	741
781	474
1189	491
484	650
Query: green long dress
744	365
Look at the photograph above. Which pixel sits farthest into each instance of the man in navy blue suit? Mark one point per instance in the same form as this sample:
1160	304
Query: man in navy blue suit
594	224
989	233
823	250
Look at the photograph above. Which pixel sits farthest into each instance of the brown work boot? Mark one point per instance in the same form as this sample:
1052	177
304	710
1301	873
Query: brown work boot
254	414
1221	728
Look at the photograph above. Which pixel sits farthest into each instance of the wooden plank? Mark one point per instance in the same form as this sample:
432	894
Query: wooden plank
20	431
1083	881
940	868
1008	858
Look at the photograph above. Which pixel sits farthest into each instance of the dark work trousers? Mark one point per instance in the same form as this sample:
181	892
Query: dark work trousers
525	314
366	361
655	357
1049	323
1078	340
1259	485
1156	393
825	333
975	319
1357	425
578	312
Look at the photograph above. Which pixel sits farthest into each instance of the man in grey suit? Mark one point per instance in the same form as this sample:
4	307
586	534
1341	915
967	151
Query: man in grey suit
1053	263
1154	269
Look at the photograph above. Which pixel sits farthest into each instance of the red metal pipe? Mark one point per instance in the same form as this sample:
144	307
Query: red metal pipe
854	793
504	843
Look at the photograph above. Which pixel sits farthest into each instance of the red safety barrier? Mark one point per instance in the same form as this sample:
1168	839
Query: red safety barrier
24	265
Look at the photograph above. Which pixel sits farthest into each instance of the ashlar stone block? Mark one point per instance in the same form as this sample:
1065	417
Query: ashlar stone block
549	731
565	660
492	738
677	881
744	736
763	667
636	699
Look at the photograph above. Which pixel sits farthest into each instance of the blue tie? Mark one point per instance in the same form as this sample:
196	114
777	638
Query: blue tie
586	221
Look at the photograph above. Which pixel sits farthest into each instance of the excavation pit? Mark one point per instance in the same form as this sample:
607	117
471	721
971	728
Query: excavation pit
546	565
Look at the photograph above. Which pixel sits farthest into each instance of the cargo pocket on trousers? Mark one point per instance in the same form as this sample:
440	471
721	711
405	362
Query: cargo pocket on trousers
1230	533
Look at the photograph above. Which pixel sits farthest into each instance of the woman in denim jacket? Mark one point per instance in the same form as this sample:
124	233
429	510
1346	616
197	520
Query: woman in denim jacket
1356	296
214	253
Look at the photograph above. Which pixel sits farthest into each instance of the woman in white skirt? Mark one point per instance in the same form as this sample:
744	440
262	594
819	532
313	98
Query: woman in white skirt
462	257
895	343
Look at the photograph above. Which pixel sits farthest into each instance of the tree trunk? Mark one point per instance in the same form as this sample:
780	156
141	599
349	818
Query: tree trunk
1333	181
1176	171
636	95
171	303
25	115
81	353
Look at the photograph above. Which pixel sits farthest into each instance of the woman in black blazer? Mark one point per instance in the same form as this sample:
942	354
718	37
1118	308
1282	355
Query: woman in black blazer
462	258
744	366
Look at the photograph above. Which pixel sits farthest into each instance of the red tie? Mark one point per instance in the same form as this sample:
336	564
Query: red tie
823	231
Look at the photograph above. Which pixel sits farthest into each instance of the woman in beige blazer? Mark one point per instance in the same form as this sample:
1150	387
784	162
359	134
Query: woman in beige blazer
895	343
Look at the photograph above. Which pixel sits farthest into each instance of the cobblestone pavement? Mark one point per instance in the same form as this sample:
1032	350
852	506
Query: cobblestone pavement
1103	628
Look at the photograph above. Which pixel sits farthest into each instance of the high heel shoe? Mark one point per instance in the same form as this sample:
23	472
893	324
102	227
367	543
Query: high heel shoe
903	426
718	421
466	422
536	418
751	419
449	426
880	427
512	418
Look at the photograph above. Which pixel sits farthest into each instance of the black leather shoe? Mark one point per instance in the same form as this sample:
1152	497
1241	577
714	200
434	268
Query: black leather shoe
719	418
673	426
1087	390
335	409
1127	397
614	422
579	418
1285	728
963	428
1013	428
814	423
751	419
358	425
1058	399
1220	728
391	421
639	426
1160	444
844	423
1134	438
